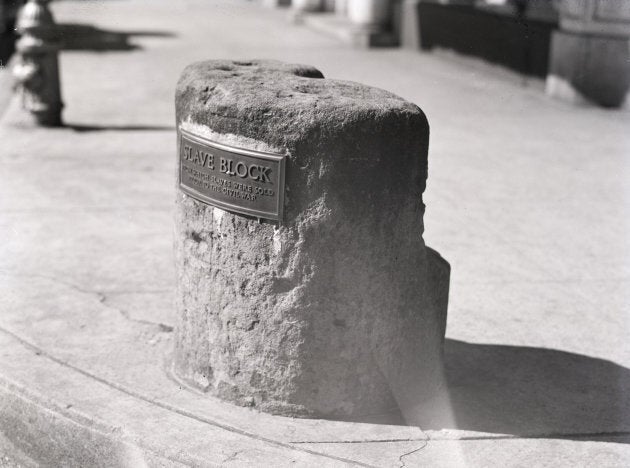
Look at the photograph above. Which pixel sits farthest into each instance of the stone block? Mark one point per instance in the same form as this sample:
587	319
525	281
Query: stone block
339	309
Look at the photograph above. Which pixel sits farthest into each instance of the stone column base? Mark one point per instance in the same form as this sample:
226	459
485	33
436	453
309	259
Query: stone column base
340	27
595	67
276	3
366	37
410	25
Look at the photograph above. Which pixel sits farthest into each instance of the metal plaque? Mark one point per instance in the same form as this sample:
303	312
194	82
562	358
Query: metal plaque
235	179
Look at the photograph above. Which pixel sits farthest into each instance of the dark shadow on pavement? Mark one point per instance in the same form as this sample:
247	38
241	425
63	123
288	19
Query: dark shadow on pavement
87	37
536	392
524	392
117	128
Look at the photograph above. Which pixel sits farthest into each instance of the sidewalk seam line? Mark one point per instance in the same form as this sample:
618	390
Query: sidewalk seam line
168	407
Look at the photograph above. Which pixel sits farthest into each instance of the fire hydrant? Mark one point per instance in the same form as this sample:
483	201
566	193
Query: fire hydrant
37	68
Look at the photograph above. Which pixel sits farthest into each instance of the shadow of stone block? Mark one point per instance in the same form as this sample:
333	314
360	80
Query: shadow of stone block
536	392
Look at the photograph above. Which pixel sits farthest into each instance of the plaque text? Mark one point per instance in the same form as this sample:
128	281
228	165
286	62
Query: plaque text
239	180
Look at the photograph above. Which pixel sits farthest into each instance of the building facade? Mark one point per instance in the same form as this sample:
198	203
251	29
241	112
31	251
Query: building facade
581	47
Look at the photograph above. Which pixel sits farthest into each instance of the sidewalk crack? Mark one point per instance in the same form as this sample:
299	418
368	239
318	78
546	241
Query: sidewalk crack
406	454
102	297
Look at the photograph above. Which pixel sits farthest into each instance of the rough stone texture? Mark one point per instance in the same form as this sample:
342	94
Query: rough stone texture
333	313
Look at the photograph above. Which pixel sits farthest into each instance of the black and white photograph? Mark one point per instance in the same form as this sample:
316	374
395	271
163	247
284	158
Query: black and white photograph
315	233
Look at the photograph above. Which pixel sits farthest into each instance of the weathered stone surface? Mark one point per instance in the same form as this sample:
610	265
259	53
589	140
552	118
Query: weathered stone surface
331	313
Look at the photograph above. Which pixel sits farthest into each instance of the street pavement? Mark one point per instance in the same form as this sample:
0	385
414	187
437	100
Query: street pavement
527	198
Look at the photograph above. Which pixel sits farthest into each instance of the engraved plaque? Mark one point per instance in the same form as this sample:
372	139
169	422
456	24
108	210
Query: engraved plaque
235	179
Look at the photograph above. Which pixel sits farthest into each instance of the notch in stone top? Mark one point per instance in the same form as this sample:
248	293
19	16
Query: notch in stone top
209	69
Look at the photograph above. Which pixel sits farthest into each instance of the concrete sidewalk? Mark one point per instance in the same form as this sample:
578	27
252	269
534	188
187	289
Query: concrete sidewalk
527	199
